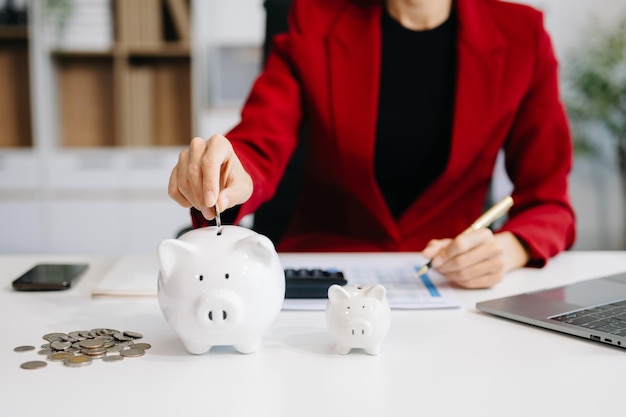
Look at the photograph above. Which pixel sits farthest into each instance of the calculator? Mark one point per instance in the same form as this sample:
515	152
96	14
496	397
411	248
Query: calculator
311	283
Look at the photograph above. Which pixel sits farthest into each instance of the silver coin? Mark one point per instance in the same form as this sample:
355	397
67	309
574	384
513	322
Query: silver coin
45	352
34	365
91	343
59	356
76	335
105	339
115	349
112	358
94	352
133	335
59	345
77	361
121	337
218	219
54	336
132	353
98	355
142	346
25	348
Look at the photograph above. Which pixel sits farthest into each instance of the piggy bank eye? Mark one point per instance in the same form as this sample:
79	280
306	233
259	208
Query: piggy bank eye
200	277
227	275
362	306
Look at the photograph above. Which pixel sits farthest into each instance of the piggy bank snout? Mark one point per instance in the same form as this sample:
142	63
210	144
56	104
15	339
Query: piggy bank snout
220	308
359	329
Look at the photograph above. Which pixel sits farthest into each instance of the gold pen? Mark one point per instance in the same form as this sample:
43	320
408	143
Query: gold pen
488	217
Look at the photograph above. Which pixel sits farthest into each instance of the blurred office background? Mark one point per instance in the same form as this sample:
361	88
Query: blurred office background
99	96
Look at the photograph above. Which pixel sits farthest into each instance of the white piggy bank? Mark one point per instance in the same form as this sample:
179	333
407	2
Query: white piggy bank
220	289
358	316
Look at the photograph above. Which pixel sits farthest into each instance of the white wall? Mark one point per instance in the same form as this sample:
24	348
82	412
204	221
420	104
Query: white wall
595	184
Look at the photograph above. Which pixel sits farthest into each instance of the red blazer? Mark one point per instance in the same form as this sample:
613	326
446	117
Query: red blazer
327	69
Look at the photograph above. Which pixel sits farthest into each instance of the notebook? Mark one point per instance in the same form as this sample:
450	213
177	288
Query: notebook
594	309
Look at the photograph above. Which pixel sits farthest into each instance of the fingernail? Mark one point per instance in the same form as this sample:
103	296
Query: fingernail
208	214
209	200
225	203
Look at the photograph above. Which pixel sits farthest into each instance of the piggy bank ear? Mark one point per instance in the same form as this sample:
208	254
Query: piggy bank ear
169	251
257	246
337	292
376	291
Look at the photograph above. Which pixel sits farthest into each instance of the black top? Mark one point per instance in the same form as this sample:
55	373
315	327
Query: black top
415	109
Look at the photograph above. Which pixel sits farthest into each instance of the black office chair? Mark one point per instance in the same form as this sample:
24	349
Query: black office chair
273	217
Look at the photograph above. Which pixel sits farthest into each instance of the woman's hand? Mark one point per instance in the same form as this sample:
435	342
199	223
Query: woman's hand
207	174
478	259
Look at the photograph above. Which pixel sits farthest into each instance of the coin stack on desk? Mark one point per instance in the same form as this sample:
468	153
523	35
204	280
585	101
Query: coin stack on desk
79	348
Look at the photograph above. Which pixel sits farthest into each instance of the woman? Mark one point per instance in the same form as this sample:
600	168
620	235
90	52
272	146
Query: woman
408	103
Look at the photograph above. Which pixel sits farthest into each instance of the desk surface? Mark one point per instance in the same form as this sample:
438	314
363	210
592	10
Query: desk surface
432	363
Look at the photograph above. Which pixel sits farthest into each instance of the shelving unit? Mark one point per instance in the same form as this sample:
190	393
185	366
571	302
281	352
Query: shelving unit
108	121
137	93
15	115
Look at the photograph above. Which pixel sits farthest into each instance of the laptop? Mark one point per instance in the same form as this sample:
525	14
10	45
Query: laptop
594	309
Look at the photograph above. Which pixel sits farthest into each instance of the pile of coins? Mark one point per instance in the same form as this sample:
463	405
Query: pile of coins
79	348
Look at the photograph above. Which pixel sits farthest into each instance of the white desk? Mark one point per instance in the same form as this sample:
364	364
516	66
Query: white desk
433	363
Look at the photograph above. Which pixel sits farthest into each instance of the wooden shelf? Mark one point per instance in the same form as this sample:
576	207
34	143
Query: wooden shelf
68	53
17	32
138	93
15	113
164	50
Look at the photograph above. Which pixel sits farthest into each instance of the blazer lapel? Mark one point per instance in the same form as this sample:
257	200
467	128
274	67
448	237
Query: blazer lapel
354	47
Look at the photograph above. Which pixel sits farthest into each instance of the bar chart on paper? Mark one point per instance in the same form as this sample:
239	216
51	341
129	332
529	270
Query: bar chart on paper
396	272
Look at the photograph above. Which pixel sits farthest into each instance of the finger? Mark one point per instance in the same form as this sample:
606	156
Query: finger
237	189
182	178
218	152
482	281
468	251
195	173
482	275
467	241
434	246
173	190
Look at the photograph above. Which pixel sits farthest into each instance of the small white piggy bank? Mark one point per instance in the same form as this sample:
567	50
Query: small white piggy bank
358	316
220	289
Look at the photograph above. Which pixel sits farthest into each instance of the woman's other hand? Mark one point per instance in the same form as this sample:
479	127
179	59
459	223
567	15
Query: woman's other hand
477	259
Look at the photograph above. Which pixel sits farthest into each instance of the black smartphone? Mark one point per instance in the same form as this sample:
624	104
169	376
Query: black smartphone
49	277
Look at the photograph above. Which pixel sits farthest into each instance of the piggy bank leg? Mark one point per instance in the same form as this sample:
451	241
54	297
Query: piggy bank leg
373	350
342	349
196	348
248	347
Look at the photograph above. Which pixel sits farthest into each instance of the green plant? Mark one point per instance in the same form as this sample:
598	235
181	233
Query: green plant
595	78
60	12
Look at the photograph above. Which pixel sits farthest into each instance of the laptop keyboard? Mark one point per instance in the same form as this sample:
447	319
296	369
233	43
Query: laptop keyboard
609	318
